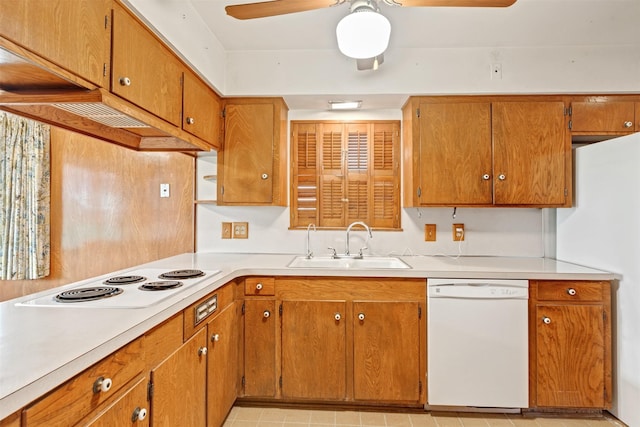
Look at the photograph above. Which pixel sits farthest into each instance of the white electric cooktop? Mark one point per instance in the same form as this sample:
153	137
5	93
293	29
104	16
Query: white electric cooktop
131	289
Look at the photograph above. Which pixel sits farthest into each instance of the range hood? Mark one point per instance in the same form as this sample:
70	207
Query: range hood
32	90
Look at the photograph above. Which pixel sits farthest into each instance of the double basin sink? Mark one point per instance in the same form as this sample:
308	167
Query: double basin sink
364	263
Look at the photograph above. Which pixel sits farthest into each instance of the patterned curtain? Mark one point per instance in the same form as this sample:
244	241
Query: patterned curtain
24	198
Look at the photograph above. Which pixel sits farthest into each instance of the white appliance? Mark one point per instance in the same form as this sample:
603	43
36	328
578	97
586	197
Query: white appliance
477	343
603	231
127	294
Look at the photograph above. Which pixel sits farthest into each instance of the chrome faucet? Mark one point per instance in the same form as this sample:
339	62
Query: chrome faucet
366	227
309	252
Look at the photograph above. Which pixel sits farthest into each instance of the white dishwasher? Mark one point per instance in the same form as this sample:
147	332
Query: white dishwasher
477	343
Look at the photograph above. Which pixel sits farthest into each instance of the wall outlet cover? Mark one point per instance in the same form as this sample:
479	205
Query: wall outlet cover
240	230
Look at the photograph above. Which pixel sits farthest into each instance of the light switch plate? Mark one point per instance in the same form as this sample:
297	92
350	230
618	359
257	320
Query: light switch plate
240	230
226	230
429	232
164	190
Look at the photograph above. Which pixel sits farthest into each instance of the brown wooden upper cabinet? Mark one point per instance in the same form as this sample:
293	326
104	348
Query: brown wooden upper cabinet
202	110
252	165
603	116
75	35
486	151
144	71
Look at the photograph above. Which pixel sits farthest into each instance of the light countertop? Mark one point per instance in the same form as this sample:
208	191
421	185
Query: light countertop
41	347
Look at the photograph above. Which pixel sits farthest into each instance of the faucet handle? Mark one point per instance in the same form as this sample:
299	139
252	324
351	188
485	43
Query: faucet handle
362	249
334	254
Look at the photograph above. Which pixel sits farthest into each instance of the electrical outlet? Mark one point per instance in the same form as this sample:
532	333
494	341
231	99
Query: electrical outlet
240	230
226	230
429	232
458	232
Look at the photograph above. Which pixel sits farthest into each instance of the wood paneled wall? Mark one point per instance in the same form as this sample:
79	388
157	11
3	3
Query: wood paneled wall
106	210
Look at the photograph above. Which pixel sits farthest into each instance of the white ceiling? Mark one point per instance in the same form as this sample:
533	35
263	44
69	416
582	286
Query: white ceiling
526	23
573	25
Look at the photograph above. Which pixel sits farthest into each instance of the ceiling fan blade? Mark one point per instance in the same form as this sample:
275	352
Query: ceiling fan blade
276	7
456	3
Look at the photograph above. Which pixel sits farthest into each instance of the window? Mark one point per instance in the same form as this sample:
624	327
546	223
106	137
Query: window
345	171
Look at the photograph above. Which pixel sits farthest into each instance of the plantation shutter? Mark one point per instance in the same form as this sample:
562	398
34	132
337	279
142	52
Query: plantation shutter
385	179
357	149
345	172
304	174
332	176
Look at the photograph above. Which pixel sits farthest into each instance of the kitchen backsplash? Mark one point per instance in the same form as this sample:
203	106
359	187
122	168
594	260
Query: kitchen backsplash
488	232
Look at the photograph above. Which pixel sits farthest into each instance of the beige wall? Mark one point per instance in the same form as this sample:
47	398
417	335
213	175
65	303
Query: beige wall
106	210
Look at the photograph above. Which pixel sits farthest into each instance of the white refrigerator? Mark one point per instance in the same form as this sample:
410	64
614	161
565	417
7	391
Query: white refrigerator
602	230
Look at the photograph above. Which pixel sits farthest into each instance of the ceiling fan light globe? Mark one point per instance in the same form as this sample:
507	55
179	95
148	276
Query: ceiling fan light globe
363	34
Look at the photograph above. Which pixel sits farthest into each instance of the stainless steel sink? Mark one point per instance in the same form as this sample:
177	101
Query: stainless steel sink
364	263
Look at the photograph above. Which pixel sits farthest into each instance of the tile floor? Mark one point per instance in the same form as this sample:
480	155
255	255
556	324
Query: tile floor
275	417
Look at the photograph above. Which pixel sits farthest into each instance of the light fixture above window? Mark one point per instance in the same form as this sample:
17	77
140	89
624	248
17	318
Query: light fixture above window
365	32
344	105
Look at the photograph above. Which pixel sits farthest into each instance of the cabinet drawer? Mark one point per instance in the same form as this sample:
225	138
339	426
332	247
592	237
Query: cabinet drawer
570	291
76	398
259	286
131	408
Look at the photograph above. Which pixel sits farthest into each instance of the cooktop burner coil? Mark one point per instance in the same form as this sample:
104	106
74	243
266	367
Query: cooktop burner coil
181	274
160	285
87	294
124	280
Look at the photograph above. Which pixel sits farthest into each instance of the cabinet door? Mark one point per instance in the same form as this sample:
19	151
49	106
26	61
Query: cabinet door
260	348
202	110
247	154
76	35
314	349
386	351
529	151
144	71
605	116
570	356
129	409
179	385
222	366
455	154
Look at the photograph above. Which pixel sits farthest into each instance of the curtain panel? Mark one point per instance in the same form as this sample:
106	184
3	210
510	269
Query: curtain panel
24	198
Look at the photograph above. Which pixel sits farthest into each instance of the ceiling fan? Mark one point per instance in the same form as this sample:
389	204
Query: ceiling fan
364	33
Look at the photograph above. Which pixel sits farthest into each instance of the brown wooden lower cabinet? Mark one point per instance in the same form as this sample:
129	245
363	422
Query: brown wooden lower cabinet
314	353
179	385
89	391
338	340
260	322
570	344
305	339
222	366
132	408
